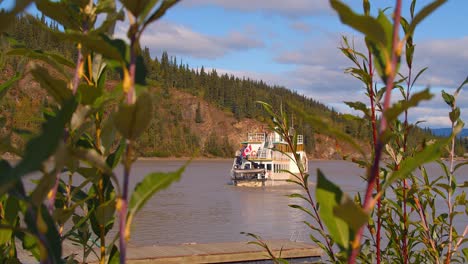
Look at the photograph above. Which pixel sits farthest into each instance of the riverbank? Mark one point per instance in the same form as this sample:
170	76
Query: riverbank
12	157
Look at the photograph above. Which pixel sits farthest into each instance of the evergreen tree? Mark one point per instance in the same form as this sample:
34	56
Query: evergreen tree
198	115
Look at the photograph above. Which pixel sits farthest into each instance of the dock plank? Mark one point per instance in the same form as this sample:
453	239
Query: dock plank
220	252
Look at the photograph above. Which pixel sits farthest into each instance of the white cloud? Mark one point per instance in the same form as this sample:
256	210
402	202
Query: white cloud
319	70
319	74
181	40
447	60
290	8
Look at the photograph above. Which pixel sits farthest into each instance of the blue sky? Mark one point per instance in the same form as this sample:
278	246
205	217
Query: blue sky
294	43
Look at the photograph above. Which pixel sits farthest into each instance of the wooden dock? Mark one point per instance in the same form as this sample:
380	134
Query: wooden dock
233	252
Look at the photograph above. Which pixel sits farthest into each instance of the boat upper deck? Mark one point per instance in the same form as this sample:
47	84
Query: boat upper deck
273	137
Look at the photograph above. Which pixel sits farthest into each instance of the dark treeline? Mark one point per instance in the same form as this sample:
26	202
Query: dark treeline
36	33
239	96
169	134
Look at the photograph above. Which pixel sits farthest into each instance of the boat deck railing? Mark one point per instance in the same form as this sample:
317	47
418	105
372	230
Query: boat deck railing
256	137
279	139
268	154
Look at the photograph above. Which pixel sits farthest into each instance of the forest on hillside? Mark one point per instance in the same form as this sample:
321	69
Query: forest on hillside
169	134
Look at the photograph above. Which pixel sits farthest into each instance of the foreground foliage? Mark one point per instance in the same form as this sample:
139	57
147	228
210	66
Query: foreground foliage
85	132
399	217
173	123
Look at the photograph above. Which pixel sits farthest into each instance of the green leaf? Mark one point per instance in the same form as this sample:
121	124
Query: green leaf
30	243
359	106
324	127
132	120
423	13
39	193
458	127
105	6
8	84
454	114
351	213
115	49
5	234
62	215
166	4
93	158
11	210
404	24
409	52
145	189
40	223
108	25
393	112
417	75
114	257
10	218
459	165
40	148
367	25
302	208
429	153
359	74
89	93
6	18
52	59
60	59
64	13
105	213
137	7
461	86
388	28
108	134
381	58
448	98
114	158
329	197
298	195
57	88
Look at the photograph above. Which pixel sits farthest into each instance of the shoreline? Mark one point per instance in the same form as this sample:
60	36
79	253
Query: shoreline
207	159
10	157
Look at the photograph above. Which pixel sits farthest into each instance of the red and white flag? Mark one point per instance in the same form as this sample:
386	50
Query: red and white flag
247	151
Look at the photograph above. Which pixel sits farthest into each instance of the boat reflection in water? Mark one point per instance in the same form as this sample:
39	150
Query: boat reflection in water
264	160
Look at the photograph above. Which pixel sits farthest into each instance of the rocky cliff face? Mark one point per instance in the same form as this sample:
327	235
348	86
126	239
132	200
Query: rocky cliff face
223	123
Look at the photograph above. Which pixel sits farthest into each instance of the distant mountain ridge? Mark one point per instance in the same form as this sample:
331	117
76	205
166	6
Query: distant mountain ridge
445	132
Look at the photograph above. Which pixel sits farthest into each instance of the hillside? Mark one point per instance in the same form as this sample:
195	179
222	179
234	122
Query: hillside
218	126
173	132
195	112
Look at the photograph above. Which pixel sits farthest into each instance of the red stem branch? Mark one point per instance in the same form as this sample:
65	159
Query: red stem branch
124	236
374	172
374	141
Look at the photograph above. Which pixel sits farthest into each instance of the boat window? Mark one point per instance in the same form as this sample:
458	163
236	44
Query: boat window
269	167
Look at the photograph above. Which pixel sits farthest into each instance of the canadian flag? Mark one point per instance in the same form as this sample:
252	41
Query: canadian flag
247	151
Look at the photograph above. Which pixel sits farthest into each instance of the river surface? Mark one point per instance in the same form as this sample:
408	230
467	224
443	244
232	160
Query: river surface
203	208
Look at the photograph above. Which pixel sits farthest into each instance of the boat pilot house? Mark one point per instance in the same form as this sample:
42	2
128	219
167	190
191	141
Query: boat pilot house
263	160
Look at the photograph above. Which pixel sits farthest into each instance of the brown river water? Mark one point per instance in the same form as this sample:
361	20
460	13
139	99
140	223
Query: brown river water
203	208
